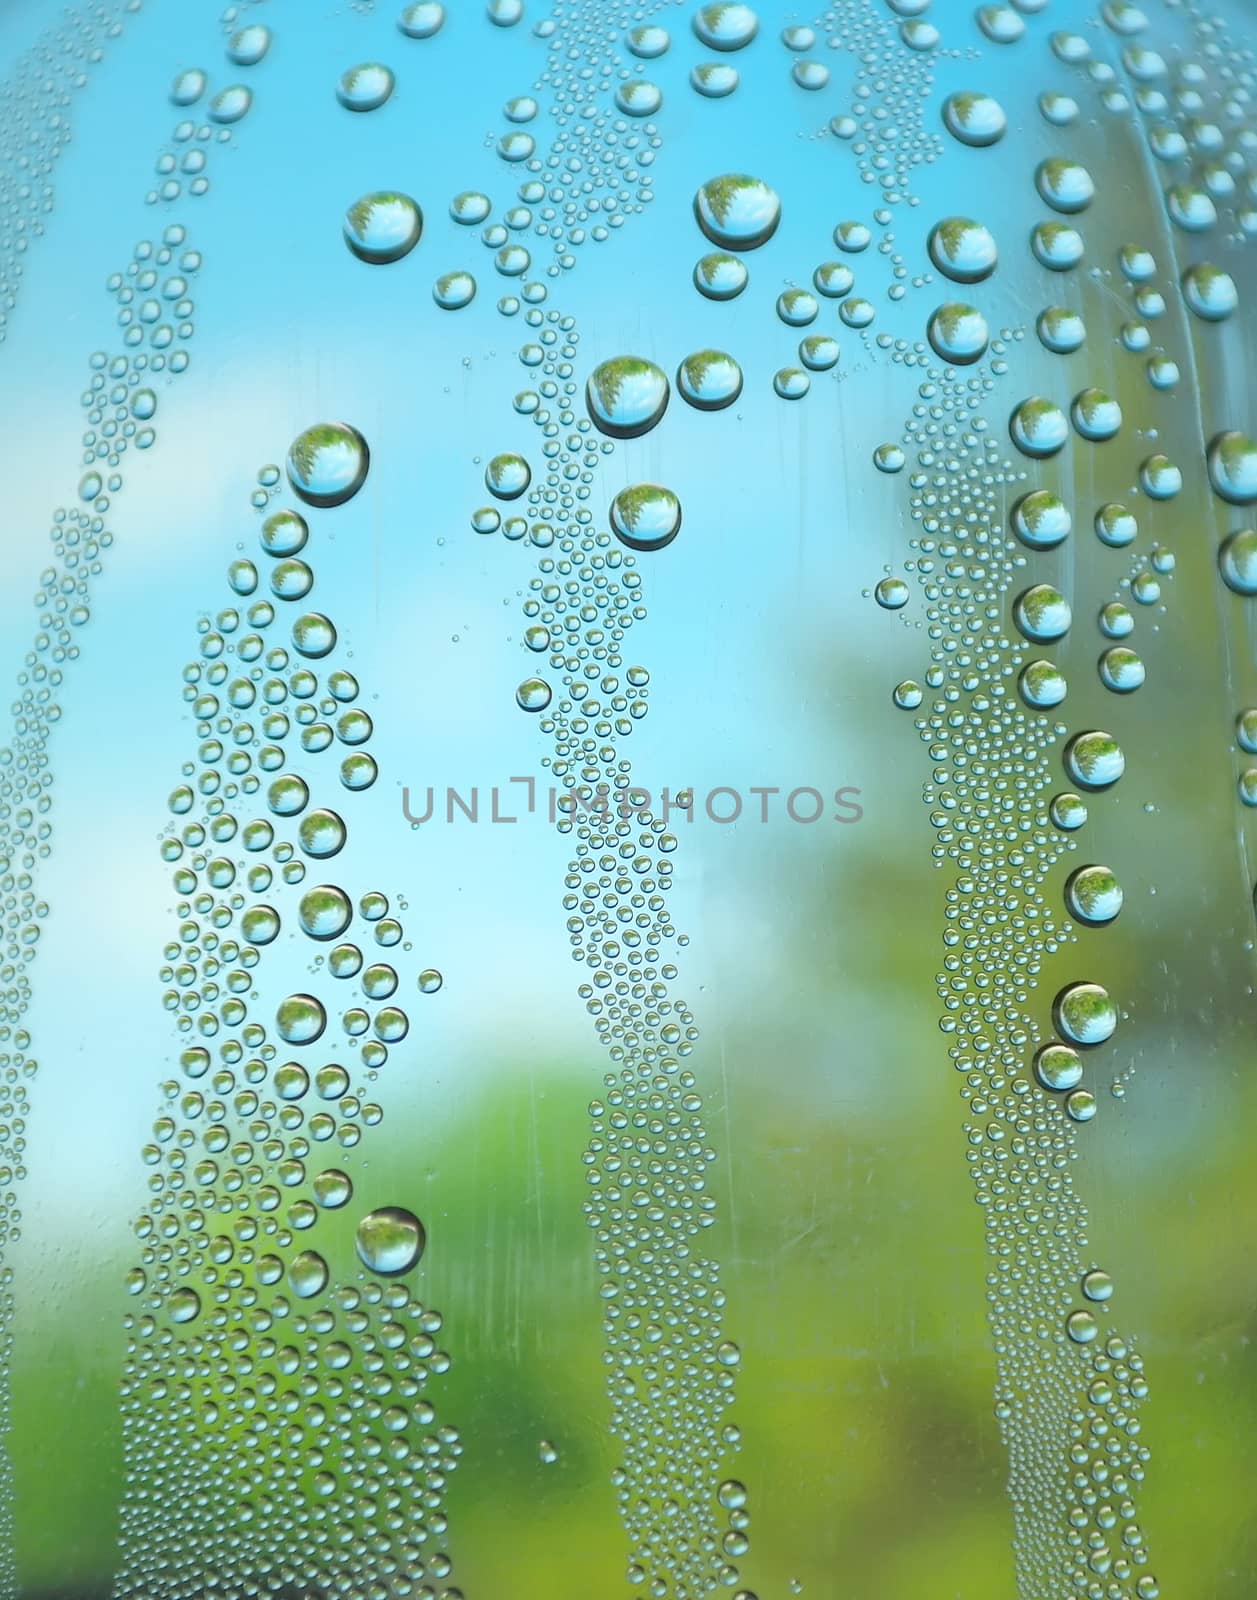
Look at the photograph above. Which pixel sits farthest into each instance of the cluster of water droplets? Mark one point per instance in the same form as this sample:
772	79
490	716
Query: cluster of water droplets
278	1430
36	125
670	1367
121	401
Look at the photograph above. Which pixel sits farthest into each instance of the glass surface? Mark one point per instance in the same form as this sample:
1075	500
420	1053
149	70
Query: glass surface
639	690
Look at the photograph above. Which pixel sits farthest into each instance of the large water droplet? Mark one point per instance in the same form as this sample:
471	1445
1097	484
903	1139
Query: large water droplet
1232	461
958	333
1093	895
1237	561
646	516
1084	1014
1041	520
383	227
962	250
720	276
390	1241
1064	185
422	20
1094	760
300	1019
1038	427
327	464
709	380
973	118
365	87
626	396
725	26
325	911
737	212
1042	614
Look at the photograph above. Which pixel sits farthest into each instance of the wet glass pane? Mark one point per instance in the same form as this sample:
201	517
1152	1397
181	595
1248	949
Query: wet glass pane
625	811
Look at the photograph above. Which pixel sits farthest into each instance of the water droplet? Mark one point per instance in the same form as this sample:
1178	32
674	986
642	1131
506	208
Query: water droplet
1094	760
1232	461
1237	561
1081	1326
1068	811
332	1189
1057	246
720	276
645	517
791	383
188	87
1058	1067
1115	526
507	476
1064	185
365	87
797	307
908	695
454	290
1121	670
383	227
647	41
422	20
638	98
1042	684
626	396
958	333
534	694
1000	24
737	212
709	380
714	79
308	1274
1210	292
810	75
327	464
974	119
1159	478
184	1305
300	1019
1041	520
470	207
1084	1014
430	980
321	834
390	1241
1059	109
818	352
833	279
1060	330
891	594
1096	415
1042	614
229	105
260	924
284	533
962	250
1081	1105
325	911
1097	1285
725	26
249	45
1093	895
1038	427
